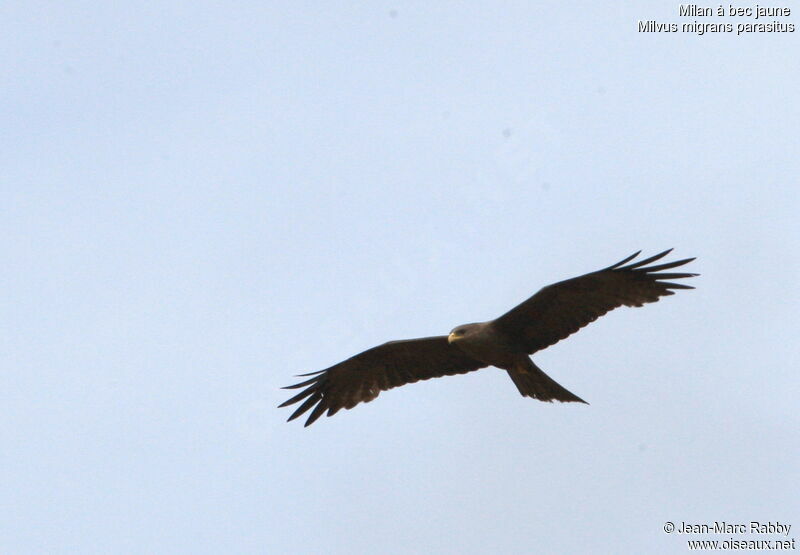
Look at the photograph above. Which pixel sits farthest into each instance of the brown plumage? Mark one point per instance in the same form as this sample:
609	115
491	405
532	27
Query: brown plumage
552	314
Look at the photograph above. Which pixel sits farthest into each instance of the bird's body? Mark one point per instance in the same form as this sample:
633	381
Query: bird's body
550	315
483	342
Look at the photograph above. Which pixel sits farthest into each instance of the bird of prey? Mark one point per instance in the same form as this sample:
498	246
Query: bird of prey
550	315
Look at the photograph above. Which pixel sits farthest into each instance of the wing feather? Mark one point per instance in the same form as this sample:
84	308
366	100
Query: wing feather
559	310
362	377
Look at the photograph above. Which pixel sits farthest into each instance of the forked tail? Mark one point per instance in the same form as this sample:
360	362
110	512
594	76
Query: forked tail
533	382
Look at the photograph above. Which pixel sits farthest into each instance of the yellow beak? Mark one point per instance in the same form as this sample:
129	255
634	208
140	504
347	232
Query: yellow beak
452	337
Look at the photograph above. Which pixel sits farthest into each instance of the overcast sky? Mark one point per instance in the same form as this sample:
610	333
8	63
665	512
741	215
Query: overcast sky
201	200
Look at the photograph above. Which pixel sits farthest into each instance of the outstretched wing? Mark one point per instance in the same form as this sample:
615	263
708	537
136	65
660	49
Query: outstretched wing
362	377
563	308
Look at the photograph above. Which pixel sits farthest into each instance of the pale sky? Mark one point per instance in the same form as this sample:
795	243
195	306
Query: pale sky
201	200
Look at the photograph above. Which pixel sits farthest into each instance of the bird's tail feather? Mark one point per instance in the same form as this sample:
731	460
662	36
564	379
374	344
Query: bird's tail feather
533	382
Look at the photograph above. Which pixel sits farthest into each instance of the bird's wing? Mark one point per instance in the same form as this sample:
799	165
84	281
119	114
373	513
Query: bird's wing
362	377
563	308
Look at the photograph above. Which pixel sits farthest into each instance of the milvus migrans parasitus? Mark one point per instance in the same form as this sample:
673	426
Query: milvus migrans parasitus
552	314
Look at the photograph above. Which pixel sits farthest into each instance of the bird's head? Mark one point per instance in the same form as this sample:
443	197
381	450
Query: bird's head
460	332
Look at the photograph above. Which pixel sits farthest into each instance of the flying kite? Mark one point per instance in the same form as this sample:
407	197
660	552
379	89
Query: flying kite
552	314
